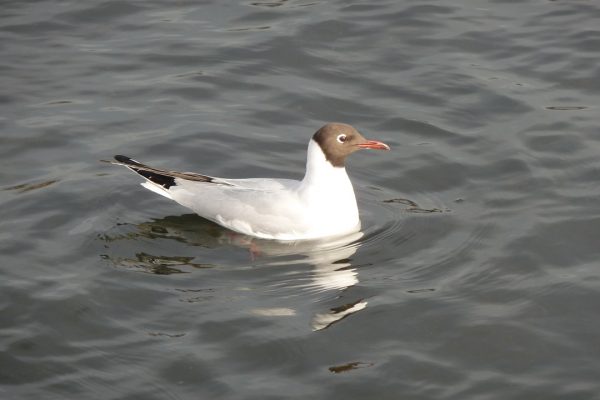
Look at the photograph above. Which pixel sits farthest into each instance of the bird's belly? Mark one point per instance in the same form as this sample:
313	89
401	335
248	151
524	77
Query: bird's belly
280	215
294	226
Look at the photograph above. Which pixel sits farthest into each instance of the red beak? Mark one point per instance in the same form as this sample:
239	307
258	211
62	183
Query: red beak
373	144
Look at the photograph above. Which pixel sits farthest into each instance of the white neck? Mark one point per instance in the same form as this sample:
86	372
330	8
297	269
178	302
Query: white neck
319	171
328	193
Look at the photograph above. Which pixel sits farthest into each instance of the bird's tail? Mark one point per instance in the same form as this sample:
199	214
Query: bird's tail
156	189
161	180
157	180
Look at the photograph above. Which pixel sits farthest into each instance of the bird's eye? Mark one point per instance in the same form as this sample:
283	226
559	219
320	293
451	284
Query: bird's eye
341	138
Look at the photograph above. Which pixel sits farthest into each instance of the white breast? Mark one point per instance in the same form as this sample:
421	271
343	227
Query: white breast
328	196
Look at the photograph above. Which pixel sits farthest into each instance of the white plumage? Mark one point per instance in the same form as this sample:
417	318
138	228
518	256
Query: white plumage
322	204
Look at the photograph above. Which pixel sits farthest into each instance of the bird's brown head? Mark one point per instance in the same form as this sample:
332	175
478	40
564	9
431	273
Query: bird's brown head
338	141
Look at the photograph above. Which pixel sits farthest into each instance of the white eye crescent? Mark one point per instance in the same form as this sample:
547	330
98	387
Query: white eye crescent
341	138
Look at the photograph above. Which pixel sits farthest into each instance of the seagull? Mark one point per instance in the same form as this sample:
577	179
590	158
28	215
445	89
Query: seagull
321	205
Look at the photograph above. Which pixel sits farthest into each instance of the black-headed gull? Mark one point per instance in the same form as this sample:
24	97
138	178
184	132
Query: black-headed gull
322	204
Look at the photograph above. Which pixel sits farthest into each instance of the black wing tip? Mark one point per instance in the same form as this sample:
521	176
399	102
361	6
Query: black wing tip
125	159
165	181
161	180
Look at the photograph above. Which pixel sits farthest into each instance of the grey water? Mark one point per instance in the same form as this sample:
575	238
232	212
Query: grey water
476	275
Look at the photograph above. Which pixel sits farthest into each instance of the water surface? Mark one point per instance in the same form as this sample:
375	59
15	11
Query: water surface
476	274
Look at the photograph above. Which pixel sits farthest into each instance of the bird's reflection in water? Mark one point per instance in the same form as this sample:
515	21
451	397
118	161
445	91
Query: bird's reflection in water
331	259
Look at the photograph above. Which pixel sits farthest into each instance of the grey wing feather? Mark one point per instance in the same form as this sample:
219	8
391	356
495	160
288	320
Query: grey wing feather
163	177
